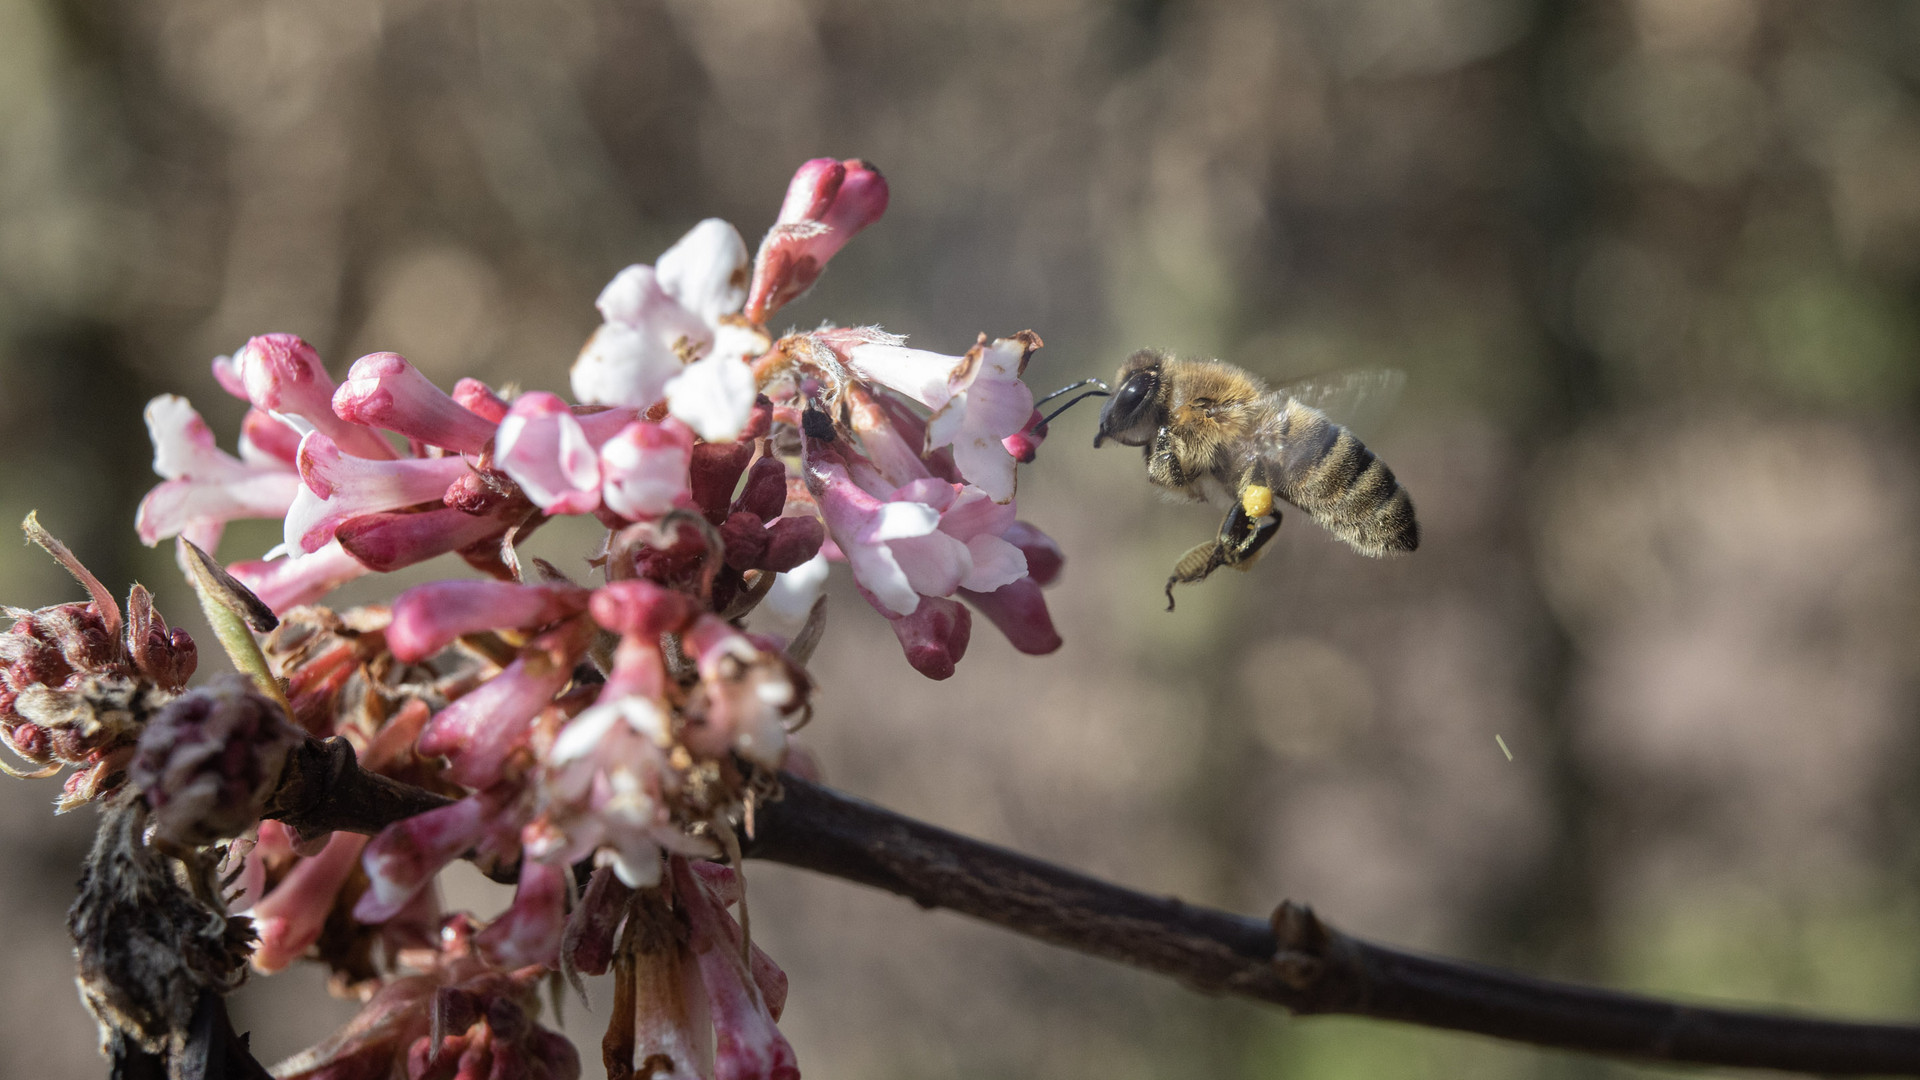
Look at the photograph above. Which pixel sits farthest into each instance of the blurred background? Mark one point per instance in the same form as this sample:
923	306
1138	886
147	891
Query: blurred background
1650	265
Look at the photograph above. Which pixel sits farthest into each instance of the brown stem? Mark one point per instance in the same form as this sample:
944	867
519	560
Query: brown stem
1294	959
323	787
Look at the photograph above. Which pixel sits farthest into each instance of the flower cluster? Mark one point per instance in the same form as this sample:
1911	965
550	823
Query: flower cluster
598	738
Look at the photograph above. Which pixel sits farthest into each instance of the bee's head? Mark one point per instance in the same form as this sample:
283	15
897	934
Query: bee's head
1133	414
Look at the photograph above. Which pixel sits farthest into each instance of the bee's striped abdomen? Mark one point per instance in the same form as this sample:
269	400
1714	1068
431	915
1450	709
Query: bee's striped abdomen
1348	490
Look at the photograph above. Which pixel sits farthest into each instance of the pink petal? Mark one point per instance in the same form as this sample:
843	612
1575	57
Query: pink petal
284	584
1044	558
706	270
542	447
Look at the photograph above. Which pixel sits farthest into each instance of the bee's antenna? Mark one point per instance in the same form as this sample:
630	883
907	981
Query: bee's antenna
1100	391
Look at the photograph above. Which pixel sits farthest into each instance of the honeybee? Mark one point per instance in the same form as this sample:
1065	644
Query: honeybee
1214	433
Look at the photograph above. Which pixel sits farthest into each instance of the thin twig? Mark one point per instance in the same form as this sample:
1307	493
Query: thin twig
1295	960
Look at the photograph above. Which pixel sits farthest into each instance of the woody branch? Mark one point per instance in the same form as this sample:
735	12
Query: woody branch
1294	959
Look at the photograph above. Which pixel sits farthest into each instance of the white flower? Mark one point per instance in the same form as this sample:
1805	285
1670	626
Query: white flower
657	317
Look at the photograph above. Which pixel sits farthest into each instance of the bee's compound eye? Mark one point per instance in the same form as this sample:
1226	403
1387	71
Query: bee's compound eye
1132	396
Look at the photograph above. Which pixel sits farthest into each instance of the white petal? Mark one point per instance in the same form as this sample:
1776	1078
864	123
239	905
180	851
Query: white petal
623	366
713	396
585	732
921	375
707	270
901	520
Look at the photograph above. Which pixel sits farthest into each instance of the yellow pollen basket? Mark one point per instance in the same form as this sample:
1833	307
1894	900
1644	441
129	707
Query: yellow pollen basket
1256	500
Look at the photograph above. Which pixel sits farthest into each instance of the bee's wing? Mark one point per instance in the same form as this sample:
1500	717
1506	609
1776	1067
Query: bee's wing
1356	399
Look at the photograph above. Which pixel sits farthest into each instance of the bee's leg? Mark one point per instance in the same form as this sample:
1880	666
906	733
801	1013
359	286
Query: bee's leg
1195	565
1247	527
1243	557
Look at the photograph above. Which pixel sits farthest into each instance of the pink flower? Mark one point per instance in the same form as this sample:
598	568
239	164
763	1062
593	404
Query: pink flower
827	202
644	469
747	1045
542	446
291	917
978	400
528	932
427	618
602	789
478	732
337	487
383	390
282	374
867	531
284	584
204	487
404	858
926	538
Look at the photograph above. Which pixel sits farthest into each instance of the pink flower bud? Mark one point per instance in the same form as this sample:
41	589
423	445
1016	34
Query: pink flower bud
284	584
208	760
337	487
388	541
291	917
480	400
644	469
1020	612
827	202
1044	558
542	446
934	637
1024	444
283	374
642	609
427	618
383	390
